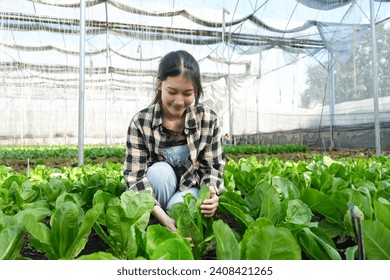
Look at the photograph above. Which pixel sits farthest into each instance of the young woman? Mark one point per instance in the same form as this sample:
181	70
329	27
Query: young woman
174	146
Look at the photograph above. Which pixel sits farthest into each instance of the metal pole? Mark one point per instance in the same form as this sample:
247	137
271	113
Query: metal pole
23	108
375	81
257	100
81	84
332	98
107	85
230	106
224	11
139	50
228	82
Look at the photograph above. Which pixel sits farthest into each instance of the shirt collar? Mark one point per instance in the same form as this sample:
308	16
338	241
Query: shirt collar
191	121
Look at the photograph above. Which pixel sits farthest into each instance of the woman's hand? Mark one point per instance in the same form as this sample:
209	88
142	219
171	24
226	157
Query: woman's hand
209	206
163	218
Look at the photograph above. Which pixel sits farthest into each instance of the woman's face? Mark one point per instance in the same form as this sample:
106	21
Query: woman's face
177	94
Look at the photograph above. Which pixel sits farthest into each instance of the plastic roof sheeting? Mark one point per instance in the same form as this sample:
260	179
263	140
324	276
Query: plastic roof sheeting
329	4
258	49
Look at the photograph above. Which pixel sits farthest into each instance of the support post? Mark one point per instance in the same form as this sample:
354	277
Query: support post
378	149
81	85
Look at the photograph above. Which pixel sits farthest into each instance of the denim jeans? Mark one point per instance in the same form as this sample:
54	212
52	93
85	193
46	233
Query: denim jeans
163	178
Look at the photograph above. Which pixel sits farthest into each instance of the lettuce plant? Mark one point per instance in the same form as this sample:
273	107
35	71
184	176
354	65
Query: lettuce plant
163	244
191	223
123	222
69	229
11	240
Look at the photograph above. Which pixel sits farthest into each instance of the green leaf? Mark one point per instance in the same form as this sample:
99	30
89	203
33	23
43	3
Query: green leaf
11	242
242	218
204	193
234	204
40	237
253	227
173	249
317	245
163	244
348	219
288	190
98	256
376	238
192	223
37	214
118	225
272	243
361	198
156	234
382	213
136	243
264	241
188	228
297	212
137	204
265	199
227	245
64	227
332	207
85	228
350	253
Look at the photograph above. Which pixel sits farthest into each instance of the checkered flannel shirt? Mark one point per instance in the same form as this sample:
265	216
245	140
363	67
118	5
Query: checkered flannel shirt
146	141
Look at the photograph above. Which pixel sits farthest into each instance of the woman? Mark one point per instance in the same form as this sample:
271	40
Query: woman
174	145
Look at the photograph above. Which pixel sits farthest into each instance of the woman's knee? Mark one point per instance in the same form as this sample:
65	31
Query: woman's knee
178	196
161	173
163	180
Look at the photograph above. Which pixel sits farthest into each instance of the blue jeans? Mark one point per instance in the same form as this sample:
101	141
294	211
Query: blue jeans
163	180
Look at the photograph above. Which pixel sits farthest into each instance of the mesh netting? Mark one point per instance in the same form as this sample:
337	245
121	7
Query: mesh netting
265	67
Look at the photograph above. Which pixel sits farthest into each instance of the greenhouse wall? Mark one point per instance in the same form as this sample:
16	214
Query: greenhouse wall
343	138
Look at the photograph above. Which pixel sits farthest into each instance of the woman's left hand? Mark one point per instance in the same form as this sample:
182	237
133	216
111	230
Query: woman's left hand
209	206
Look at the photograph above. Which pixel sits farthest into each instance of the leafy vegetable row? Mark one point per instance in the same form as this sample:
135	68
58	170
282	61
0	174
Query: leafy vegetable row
282	210
305	207
264	149
34	152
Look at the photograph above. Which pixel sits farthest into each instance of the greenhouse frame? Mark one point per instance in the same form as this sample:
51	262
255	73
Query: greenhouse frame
263	136
311	72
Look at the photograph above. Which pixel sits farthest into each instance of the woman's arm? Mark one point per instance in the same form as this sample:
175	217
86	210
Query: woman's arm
163	218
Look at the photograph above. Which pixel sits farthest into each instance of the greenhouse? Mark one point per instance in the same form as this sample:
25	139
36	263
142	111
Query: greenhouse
283	76
301	74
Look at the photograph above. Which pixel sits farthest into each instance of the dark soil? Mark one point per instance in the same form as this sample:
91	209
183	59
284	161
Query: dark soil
306	156
21	165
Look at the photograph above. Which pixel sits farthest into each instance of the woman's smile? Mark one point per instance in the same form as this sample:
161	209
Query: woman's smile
178	94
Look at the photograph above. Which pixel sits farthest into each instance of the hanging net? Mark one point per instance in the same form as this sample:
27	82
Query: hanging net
265	67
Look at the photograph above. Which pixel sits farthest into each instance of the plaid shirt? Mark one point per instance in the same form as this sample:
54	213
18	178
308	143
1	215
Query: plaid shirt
145	143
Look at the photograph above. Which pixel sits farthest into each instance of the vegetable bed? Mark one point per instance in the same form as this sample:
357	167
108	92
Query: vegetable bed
293	205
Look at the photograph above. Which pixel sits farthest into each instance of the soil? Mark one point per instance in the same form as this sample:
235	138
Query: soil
95	244
20	165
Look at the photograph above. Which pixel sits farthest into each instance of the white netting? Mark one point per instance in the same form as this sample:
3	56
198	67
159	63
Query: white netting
256	55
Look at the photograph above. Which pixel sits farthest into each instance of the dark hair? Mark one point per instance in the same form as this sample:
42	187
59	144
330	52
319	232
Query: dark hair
179	63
